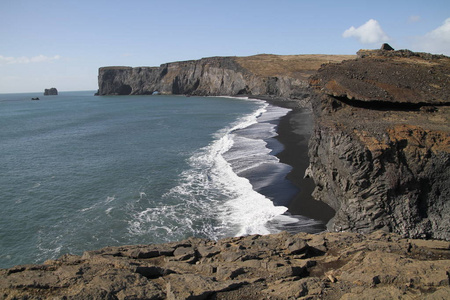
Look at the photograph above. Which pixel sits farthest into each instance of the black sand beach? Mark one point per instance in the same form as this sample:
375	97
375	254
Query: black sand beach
294	131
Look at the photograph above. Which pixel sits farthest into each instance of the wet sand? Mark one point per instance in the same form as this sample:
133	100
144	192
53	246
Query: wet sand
294	131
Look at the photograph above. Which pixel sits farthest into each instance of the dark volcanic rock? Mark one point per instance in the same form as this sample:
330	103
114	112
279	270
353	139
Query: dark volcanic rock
380	152
280	76
387	47
206	77
351	266
50	92
394	79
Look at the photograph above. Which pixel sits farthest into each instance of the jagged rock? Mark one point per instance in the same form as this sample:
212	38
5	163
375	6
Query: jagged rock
296	246
281	76
376	157
50	92
386	47
196	287
353	265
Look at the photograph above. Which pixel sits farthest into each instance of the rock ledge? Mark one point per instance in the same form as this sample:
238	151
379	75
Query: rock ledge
279	266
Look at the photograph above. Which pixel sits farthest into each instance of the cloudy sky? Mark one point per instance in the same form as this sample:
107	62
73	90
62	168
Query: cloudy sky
63	43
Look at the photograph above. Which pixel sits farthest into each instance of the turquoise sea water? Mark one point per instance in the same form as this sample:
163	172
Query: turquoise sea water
79	172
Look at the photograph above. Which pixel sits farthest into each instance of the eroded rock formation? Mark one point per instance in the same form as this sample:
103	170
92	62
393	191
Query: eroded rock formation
50	92
280	76
280	266
380	151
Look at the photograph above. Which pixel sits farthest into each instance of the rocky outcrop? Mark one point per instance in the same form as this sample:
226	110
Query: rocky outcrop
280	266
380	151
50	92
280	76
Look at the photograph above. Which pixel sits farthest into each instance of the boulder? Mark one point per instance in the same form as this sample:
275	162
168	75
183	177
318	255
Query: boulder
386	47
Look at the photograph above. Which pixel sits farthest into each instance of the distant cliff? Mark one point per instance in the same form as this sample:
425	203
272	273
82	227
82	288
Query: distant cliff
280	76
380	151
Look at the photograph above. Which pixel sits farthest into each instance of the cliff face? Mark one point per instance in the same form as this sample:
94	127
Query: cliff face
380	152
281	266
281	76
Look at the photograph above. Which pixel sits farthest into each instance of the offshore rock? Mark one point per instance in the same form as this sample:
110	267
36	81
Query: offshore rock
50	92
380	151
324	266
279	76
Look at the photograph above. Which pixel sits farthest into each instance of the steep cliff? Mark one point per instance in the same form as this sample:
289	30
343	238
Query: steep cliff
380	151
281	76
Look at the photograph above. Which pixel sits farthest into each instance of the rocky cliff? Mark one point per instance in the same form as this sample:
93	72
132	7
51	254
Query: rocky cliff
380	151
280	76
281	266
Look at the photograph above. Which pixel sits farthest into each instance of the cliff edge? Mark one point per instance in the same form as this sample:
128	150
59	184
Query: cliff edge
380	151
276	75
280	266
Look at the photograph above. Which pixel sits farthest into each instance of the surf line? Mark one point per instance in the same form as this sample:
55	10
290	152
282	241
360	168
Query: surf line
247	210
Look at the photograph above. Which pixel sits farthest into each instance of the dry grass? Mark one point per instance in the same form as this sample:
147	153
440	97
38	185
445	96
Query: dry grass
297	66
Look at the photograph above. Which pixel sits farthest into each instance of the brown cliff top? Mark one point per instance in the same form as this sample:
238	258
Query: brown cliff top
388	76
296	66
387	96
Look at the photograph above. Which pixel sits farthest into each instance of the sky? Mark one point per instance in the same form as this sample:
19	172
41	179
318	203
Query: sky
62	43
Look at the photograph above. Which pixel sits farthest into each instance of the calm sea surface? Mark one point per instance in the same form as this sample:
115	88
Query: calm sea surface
79	172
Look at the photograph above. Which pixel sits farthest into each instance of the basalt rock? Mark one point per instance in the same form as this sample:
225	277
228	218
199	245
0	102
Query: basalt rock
50	92
324	266
380	151
279	76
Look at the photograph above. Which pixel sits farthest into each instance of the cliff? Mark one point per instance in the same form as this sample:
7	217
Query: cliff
380	151
281	266
275	75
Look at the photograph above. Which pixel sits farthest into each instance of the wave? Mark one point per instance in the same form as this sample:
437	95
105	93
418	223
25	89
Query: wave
212	200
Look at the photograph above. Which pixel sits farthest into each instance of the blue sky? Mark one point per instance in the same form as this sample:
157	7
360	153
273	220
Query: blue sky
62	44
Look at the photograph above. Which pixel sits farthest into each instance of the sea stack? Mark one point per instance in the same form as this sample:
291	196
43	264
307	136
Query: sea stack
50	92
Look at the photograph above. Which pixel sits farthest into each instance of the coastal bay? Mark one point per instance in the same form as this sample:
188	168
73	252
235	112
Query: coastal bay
378	155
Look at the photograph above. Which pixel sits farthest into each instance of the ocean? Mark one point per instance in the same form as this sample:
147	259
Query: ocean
81	172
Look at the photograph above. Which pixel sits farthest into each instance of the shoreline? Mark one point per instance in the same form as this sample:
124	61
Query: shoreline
294	130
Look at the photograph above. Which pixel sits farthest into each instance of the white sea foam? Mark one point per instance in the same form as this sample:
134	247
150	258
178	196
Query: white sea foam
212	188
99	204
212	199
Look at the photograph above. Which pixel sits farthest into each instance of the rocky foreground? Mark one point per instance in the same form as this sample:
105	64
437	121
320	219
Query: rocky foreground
279	266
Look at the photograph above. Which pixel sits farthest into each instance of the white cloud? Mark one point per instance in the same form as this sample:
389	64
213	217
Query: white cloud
368	33
437	40
27	60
